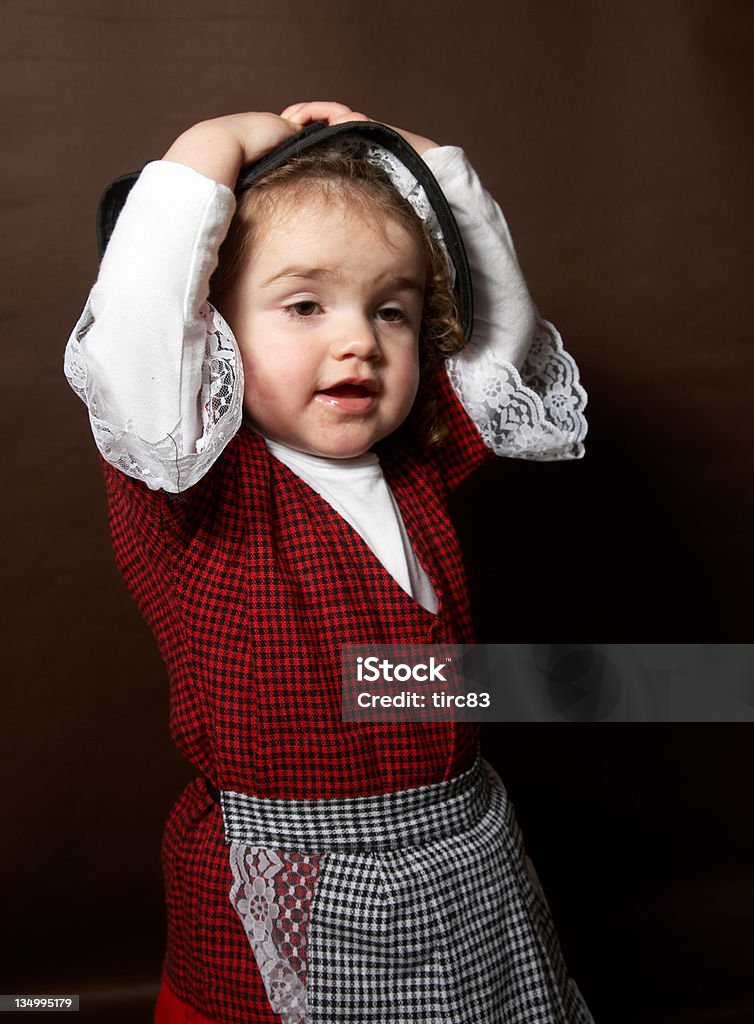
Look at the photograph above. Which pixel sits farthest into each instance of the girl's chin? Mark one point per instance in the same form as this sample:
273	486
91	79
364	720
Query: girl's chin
339	452
337	444
321	447
346	441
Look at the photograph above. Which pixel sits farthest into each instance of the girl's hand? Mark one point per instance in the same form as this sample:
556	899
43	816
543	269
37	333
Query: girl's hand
219	148
337	113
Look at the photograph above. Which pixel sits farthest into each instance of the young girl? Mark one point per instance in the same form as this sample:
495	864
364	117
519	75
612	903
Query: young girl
278	465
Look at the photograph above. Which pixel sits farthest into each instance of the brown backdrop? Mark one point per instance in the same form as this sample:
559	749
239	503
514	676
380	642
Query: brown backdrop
616	138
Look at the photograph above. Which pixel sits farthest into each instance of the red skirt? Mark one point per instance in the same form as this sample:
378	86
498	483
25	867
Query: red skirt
172	1010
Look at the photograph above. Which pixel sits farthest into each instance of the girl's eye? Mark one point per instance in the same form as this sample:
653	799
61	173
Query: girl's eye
391	314
304	308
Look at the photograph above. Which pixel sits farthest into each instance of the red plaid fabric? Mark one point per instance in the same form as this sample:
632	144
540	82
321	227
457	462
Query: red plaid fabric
251	583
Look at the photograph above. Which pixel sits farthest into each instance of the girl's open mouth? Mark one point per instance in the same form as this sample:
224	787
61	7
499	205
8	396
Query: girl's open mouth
348	397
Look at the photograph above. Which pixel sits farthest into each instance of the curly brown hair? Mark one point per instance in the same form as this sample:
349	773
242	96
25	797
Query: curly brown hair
346	174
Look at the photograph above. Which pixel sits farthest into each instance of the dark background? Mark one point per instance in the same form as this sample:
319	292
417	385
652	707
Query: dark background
617	137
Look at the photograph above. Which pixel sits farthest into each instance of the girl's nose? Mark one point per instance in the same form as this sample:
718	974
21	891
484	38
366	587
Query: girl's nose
357	337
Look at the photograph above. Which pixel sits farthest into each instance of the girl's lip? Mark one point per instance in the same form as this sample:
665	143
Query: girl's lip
351	396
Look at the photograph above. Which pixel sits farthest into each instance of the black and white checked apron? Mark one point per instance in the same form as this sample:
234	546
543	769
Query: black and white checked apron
405	907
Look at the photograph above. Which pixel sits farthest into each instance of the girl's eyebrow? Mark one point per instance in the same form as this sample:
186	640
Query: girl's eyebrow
321	274
405	284
315	273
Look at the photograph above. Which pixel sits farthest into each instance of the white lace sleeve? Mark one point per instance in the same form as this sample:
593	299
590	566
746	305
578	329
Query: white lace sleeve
174	462
156	365
514	379
535	414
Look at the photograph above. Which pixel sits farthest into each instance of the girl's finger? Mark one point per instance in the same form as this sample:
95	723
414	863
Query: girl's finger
318	110
352	115
291	109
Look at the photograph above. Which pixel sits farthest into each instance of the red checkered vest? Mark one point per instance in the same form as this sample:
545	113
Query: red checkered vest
251	583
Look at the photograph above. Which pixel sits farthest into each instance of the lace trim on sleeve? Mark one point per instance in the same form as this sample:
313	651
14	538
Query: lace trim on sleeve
166	464
535	414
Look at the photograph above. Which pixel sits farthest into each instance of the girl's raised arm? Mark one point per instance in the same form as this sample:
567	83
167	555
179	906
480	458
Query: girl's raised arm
156	365
514	379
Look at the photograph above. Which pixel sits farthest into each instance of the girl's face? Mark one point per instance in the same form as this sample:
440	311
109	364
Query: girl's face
327	311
